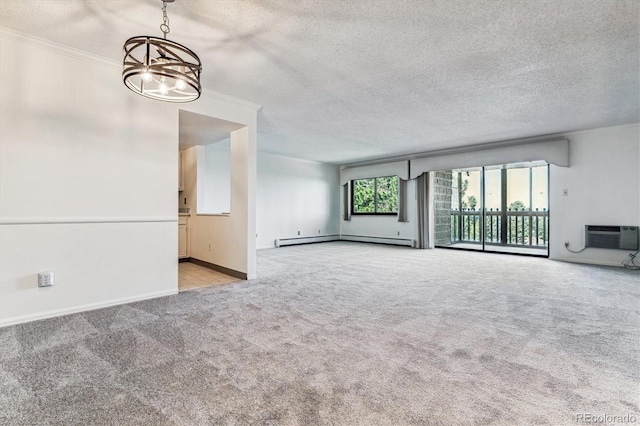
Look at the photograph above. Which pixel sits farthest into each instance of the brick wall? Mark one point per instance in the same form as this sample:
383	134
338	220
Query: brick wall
442	207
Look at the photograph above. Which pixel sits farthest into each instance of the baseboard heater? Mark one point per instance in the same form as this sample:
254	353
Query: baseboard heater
281	242
611	237
378	240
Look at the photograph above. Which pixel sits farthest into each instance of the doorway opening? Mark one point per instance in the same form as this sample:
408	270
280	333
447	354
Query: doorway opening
204	201
503	209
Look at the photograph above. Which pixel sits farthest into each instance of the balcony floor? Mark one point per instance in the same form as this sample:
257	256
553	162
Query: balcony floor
534	251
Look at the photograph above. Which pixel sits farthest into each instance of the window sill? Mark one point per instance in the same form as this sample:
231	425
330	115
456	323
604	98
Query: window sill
374	214
214	214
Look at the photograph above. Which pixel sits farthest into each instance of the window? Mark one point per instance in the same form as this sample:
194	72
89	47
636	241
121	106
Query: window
375	195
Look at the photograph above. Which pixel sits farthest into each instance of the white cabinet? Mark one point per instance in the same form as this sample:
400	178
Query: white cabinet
183	237
180	172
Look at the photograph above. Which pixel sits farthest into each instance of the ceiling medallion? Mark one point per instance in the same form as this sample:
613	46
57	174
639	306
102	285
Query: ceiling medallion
161	69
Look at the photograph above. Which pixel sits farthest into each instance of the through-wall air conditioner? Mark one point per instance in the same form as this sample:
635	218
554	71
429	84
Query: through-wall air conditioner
611	237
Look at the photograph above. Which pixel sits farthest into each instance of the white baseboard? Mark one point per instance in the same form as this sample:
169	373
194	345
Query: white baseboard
378	240
88	307
358	238
587	261
305	240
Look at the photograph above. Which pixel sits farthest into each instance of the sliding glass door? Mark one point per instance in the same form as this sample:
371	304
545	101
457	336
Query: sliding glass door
501	208
466	216
493	207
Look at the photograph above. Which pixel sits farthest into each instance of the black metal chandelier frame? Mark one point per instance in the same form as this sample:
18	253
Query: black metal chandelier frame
161	69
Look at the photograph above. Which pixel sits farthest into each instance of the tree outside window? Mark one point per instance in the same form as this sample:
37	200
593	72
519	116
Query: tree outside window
375	195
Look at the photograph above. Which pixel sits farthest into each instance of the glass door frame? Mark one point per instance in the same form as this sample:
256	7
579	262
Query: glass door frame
505	221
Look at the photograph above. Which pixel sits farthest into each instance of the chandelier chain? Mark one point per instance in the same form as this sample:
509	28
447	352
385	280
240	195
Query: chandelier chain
165	20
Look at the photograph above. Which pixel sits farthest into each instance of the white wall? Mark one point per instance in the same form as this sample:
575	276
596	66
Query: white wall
292	195
88	185
602	180
216	179
88	182
602	183
209	235
296	195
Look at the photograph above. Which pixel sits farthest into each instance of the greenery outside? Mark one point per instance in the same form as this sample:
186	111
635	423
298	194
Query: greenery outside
518	230
375	195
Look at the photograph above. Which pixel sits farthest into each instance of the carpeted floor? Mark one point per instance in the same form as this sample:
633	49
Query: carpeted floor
343	333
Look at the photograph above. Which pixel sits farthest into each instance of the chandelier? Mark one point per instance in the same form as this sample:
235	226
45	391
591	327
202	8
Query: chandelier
161	69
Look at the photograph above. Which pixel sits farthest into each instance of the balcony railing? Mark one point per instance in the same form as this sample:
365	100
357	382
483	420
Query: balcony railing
522	227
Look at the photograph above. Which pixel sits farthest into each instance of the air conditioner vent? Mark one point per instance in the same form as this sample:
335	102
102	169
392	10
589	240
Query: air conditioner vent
611	237
599	228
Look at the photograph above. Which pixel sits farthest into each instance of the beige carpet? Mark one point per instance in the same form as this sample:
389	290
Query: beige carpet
340	334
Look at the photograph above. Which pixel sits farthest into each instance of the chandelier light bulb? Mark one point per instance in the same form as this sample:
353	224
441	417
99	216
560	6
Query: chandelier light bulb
163	87
146	76
180	84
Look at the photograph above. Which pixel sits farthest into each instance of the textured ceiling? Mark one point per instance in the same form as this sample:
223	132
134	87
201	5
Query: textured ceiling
197	129
342	81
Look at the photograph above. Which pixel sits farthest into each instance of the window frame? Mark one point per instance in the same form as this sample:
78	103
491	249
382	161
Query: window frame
375	195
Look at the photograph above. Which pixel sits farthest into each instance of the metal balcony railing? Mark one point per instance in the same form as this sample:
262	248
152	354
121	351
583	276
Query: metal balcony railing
513	227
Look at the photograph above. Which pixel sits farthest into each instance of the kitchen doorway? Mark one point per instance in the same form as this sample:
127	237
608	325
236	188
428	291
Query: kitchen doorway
204	198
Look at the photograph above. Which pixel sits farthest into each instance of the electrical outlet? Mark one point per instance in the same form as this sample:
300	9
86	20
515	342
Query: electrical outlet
566	243
46	279
398	233
298	232
209	247
318	231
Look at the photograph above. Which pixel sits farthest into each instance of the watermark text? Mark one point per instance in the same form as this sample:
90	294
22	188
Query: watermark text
605	418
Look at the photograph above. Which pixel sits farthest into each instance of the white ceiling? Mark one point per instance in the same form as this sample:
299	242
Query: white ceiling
197	129
343	81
